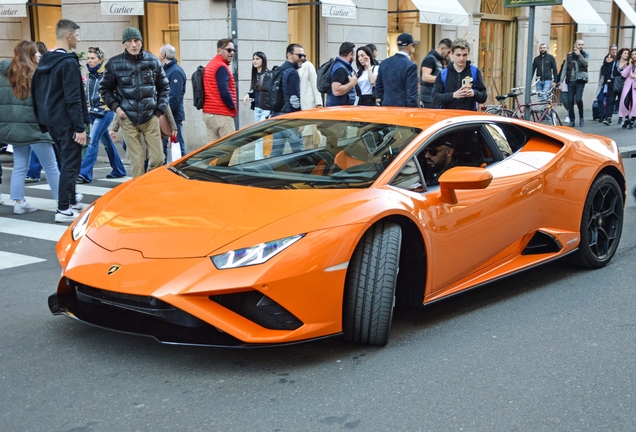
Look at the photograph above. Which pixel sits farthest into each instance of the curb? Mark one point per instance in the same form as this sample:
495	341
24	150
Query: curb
628	152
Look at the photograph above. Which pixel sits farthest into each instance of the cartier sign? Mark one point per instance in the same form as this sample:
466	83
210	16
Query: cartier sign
12	10
338	11
123	8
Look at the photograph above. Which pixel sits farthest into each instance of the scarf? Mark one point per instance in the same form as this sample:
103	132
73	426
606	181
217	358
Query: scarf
93	71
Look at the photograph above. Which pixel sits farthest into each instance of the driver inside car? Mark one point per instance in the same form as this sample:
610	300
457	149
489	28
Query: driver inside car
439	158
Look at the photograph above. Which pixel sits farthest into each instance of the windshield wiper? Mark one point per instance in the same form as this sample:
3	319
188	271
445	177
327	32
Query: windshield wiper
176	171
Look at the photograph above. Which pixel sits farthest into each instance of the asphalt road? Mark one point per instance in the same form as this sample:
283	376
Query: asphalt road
551	349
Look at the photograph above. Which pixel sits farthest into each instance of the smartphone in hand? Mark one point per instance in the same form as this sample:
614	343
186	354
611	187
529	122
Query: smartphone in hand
467	82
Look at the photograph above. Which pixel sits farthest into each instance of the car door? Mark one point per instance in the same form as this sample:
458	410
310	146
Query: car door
485	225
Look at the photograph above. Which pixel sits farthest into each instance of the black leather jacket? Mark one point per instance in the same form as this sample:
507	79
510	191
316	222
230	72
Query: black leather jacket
137	83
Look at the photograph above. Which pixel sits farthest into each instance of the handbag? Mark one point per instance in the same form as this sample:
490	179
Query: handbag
97	111
164	126
174	150
581	77
619	82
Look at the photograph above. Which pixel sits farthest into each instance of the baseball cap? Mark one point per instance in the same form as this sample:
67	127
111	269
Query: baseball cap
405	39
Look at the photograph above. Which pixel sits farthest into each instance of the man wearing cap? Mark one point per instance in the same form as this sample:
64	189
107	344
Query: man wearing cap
396	84
135	87
460	85
439	157
219	88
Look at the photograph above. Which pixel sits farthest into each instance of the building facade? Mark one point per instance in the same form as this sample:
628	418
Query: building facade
498	35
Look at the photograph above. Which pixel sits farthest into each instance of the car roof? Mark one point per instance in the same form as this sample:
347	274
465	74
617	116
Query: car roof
410	117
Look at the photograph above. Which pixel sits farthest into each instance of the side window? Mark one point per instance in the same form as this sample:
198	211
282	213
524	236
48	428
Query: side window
500	140
408	177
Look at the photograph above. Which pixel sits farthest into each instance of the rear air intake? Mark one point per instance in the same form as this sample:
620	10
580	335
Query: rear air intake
542	243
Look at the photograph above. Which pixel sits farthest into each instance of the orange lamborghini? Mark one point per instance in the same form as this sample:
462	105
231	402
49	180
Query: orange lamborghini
318	223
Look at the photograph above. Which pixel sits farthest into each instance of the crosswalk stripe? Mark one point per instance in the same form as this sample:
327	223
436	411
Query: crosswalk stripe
40	203
81	188
38	230
9	260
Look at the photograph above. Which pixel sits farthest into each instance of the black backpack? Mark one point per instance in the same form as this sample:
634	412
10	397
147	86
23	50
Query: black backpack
324	76
197	88
270	93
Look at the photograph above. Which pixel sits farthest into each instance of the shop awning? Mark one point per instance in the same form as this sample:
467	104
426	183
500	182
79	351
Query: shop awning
12	8
338	9
627	10
442	12
585	16
122	7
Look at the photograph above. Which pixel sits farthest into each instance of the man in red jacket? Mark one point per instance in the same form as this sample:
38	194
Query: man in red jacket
219	107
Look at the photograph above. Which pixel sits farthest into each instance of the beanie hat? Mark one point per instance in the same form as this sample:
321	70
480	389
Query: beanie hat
131	33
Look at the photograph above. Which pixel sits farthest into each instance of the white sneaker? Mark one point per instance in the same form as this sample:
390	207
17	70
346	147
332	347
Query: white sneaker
78	207
78	198
567	120
65	216
1	200
23	207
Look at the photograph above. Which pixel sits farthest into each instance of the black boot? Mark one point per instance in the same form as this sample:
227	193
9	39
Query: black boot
626	123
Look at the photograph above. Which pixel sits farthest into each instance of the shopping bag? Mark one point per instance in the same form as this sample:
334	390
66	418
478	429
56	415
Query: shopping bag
174	150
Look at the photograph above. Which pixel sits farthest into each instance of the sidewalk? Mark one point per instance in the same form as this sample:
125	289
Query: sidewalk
625	138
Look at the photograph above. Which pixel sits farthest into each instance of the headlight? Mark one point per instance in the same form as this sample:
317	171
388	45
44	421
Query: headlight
253	255
80	227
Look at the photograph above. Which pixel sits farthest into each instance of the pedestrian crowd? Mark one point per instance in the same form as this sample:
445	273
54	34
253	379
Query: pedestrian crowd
142	95
55	117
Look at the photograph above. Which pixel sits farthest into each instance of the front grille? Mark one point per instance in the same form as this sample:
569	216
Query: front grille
145	305
257	307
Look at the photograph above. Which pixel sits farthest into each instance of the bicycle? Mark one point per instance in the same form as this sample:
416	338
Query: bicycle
541	110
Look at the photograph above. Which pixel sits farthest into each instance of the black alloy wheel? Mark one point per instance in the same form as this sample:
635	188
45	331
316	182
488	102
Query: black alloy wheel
601	224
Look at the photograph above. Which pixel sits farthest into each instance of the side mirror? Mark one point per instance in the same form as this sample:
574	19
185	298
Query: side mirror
462	178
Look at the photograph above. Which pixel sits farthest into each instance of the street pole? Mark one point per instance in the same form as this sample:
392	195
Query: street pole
529	62
234	30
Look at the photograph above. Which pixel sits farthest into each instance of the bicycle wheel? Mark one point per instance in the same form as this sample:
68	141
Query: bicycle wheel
504	112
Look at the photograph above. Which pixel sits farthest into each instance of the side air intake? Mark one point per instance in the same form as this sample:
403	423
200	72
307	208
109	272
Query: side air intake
542	243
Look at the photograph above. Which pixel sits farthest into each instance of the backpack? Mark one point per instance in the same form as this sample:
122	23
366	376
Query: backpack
270	94
323	82
473	72
197	88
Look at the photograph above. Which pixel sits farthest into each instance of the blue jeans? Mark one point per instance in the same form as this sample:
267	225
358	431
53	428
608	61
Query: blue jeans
181	143
601	105
288	135
543	87
259	115
99	132
21	156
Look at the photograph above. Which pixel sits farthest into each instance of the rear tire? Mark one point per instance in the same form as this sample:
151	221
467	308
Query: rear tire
369	295
601	224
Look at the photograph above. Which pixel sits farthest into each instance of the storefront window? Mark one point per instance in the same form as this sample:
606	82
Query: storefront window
43	20
303	23
562	34
161	26
404	17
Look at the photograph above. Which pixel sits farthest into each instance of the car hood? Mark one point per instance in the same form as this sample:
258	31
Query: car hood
165	216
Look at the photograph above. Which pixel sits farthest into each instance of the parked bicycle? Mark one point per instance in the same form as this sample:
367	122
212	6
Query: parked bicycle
541	108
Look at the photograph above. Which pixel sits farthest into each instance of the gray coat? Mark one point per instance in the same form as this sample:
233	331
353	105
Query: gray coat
18	125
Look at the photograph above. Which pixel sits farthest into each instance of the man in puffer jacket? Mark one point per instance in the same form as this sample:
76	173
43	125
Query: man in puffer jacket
135	87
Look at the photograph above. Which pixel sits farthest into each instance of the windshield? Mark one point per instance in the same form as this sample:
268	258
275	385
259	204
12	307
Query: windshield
295	154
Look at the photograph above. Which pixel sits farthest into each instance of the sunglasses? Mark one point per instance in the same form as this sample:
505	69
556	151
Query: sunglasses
230	50
435	150
300	55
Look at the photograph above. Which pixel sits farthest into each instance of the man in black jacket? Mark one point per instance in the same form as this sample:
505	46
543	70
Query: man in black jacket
59	102
431	66
544	65
177	79
290	87
135	87
461	85
576	78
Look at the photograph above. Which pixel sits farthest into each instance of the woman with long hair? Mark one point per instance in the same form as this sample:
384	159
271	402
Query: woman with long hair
367	74
19	127
259	66
627	106
622	60
101	117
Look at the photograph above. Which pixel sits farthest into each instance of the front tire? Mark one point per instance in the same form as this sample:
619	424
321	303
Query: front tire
369	295
601	224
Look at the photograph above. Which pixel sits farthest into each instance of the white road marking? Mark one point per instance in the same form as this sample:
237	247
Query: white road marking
38	230
10	260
